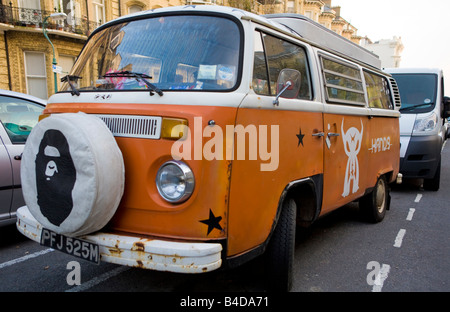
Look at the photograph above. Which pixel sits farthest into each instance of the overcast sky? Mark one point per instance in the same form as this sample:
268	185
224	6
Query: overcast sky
424	27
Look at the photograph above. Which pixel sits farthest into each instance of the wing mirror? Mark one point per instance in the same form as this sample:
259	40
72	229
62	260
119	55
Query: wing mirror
446	106
288	85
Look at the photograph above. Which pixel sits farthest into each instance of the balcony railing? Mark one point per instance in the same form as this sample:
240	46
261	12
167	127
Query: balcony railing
23	17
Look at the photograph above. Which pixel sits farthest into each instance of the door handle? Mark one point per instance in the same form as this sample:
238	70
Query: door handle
318	134
331	134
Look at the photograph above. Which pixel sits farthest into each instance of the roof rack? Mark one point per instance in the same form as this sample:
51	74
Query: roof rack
315	32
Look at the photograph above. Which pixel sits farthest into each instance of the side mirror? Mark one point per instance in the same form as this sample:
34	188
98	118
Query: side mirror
446	106
288	84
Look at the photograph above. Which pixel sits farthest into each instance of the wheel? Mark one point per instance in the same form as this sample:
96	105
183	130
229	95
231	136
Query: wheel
72	180
374	205
280	251
433	183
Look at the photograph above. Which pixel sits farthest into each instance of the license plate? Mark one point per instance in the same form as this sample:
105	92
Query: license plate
71	245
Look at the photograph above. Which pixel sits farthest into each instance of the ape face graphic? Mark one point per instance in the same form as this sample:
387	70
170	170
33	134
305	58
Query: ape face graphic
55	177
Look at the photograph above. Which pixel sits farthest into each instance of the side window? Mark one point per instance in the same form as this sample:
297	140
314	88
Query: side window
18	117
260	73
343	82
273	55
378	92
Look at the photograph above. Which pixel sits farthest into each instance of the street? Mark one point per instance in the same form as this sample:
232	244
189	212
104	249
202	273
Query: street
407	252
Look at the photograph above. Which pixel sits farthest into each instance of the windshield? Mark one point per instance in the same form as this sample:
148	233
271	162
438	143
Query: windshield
417	92
160	53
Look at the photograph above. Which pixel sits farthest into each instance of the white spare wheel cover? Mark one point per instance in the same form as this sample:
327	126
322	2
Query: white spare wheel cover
72	173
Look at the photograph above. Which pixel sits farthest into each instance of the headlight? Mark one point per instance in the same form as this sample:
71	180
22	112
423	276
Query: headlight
175	181
425	124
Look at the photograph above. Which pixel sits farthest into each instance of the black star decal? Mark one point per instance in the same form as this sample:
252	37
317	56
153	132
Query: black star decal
300	137
212	222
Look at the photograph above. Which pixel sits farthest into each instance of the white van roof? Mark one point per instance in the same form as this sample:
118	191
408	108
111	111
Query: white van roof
319	34
414	70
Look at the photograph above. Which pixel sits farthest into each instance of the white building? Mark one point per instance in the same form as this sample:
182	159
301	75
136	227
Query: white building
389	50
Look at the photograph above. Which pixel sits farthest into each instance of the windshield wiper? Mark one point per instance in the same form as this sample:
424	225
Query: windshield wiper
138	77
68	79
415	106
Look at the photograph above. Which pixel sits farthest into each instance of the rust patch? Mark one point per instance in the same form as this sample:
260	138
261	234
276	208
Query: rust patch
138	246
139	264
115	251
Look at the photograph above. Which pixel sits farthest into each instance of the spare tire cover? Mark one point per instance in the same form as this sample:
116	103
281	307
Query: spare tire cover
72	173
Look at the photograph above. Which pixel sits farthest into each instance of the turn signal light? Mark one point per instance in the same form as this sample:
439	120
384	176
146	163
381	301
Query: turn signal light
174	128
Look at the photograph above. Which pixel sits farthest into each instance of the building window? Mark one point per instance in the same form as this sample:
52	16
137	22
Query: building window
30	4
99	11
35	74
134	8
66	62
30	11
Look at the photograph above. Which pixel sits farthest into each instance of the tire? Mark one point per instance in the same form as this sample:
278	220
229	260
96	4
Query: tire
72	174
280	251
433	184
373	206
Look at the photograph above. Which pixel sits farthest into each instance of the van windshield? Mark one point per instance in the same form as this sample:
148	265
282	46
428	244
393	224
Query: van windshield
417	92
163	53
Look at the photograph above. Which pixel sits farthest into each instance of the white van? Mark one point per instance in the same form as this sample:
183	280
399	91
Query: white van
423	129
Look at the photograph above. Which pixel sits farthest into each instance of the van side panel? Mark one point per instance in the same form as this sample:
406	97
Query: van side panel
255	194
366	148
345	159
383	149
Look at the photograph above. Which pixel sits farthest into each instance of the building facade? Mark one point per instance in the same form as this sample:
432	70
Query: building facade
28	58
389	51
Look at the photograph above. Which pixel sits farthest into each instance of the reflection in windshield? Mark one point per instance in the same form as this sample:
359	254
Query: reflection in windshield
417	91
176	52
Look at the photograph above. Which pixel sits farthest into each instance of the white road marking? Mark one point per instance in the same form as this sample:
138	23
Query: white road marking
24	258
381	277
410	214
98	279
399	238
418	197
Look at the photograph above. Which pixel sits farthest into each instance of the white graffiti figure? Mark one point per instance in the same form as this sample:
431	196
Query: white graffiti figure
352	144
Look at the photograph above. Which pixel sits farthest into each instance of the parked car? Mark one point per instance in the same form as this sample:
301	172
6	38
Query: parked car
18	114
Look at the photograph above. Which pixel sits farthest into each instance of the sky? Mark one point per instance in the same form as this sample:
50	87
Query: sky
424	28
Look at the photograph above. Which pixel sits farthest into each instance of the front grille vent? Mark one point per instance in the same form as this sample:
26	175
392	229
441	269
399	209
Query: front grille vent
148	127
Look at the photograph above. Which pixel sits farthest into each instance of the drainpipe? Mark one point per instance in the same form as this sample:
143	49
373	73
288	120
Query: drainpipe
87	17
7	60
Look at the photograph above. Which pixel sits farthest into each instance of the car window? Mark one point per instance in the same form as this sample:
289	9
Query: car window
18	116
378	92
272	55
343	82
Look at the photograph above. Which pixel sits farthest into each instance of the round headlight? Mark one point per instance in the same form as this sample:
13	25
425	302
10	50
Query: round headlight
175	181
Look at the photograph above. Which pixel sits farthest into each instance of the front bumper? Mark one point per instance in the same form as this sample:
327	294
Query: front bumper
421	156
154	254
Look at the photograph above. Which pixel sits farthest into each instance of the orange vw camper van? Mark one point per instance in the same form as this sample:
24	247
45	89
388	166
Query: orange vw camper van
188	139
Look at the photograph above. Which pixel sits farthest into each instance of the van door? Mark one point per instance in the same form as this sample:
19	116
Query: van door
345	126
283	132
